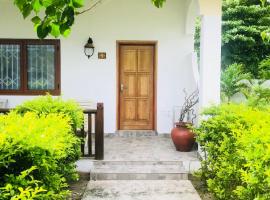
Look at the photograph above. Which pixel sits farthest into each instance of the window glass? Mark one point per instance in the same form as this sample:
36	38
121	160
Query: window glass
9	67
41	67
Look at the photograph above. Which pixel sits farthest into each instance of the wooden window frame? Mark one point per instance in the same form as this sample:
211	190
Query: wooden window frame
23	66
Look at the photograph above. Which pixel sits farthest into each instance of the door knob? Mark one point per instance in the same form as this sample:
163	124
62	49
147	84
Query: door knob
122	87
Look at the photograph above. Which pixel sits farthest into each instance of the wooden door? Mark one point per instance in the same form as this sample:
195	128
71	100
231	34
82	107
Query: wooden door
136	87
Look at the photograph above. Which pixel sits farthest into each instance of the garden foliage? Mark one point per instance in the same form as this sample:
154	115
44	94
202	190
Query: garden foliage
258	96
56	18
47	105
233	80
264	69
38	150
243	23
236	139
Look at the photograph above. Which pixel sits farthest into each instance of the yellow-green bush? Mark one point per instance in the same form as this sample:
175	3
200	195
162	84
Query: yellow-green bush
47	105
37	156
237	141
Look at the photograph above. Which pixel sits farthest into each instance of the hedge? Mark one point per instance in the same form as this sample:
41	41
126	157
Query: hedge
47	105
237	141
38	149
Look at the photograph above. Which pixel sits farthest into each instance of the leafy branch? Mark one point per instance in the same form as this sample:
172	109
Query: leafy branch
56	18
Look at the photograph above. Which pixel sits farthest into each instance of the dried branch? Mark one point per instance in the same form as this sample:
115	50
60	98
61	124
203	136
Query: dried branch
89	9
190	102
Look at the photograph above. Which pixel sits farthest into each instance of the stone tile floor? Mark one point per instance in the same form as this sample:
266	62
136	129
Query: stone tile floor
145	148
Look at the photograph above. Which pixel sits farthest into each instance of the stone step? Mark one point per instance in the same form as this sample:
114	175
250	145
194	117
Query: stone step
140	190
138	170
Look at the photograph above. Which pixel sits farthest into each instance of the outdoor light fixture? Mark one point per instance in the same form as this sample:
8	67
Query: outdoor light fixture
89	48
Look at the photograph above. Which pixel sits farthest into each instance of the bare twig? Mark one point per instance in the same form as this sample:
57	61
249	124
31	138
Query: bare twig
187	108
89	9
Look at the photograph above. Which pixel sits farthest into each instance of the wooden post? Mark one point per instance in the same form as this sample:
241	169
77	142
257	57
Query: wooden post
82	140
89	134
99	127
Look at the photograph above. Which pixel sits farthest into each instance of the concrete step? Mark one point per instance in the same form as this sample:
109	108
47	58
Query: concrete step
138	170
141	190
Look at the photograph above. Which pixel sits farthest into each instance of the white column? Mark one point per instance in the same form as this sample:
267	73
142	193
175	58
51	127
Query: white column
210	60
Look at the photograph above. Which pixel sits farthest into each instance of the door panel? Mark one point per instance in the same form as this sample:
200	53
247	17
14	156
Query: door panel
142	115
143	85
129	60
129	85
129	110
136	87
145	59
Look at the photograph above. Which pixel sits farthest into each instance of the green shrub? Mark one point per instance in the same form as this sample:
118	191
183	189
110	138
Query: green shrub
48	104
264	69
237	141
258	96
37	156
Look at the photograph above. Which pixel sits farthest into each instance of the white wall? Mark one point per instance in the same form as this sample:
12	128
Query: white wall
94	79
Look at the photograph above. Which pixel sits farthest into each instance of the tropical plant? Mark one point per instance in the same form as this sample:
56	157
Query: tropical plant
233	80
238	154
56	17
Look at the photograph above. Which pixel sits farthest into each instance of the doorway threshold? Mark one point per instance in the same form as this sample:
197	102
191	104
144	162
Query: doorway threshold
135	133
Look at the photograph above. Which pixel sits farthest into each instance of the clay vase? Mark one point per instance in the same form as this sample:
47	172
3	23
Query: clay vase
183	138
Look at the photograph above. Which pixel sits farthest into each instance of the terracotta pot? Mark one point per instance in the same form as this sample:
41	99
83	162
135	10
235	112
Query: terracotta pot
183	138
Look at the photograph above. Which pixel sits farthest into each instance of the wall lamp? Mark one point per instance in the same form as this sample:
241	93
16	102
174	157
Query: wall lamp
89	48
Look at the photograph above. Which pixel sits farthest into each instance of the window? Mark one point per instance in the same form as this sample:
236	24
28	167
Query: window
29	67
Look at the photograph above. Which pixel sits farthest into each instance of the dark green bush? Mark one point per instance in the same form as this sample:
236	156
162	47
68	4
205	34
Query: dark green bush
48	104
37	156
237	141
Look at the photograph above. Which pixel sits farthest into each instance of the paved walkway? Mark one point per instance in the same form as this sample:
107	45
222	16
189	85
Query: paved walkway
141	190
141	168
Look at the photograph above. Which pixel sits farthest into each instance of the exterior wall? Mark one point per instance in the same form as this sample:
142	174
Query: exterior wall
113	20
210	7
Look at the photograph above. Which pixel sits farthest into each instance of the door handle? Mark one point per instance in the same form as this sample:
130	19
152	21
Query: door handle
122	87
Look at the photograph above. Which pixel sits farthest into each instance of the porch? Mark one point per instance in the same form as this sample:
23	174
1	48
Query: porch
138	166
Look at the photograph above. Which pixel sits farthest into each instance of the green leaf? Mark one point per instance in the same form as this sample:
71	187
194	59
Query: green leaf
46	3
36	20
68	12
36	6
55	30
158	3
27	10
50	10
67	32
43	32
78	3
70	20
20	4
